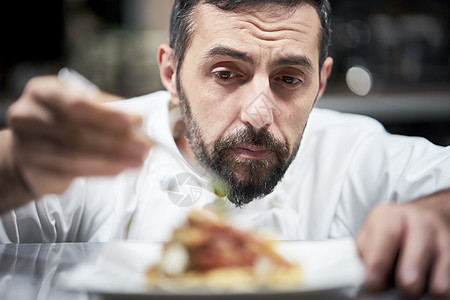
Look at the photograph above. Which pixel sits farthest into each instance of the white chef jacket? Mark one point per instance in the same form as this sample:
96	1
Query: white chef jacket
346	165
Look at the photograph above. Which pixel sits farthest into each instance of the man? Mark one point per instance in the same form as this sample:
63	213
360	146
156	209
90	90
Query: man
245	76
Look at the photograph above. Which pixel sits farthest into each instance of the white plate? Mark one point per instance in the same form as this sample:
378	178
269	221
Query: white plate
331	266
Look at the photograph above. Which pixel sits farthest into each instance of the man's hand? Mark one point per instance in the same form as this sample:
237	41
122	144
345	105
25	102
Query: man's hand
412	240
59	134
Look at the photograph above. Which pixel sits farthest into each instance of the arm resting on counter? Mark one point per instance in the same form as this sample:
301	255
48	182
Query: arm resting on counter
438	202
411	241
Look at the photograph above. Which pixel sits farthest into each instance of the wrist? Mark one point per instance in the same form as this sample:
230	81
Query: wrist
14	189
21	180
439	203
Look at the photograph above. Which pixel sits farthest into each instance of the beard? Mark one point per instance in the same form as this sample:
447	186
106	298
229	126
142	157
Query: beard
244	179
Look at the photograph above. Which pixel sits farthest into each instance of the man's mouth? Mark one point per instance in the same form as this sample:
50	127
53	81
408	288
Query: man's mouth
253	152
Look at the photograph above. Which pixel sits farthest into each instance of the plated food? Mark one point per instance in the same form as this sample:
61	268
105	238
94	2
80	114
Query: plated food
209	253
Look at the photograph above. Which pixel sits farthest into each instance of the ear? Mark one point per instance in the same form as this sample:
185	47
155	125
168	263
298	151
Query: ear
324	75
167	70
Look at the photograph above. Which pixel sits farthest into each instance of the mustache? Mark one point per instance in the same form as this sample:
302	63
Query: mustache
249	136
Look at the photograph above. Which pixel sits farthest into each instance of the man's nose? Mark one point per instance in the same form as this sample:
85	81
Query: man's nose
259	112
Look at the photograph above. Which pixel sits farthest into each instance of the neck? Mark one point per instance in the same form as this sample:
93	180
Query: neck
182	142
185	149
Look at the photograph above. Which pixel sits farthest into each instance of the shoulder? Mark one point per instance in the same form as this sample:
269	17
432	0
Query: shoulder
362	135
324	119
338	132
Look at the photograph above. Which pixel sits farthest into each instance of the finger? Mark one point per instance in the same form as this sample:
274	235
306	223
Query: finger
440	275
31	133
69	113
379	245
135	150
84	113
417	250
75	165
68	106
104	97
23	110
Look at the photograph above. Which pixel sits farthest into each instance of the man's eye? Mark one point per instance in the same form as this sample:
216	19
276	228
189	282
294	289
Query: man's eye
224	75
290	80
287	82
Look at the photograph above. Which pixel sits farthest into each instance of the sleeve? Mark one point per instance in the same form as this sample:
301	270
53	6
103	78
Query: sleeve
388	168
92	210
50	219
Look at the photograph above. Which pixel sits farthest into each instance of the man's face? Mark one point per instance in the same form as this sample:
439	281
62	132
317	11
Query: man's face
247	85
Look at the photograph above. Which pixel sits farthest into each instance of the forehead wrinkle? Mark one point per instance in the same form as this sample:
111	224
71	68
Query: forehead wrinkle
295	31
269	19
300	35
265	19
265	26
299	30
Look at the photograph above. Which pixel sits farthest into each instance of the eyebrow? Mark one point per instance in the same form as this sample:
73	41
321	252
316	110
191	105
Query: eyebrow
295	60
229	52
298	60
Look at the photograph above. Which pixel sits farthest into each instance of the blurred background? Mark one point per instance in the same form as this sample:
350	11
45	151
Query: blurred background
392	58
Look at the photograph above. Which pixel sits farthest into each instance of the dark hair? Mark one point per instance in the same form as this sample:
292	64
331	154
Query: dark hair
181	25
